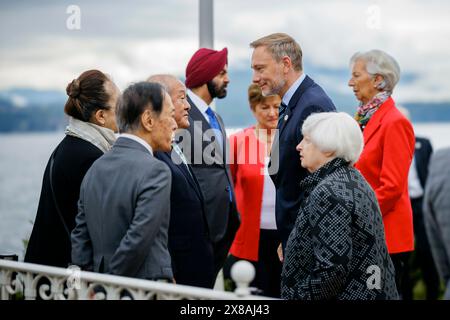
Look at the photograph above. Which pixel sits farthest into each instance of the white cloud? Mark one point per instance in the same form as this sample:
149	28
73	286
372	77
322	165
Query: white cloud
134	39
19	101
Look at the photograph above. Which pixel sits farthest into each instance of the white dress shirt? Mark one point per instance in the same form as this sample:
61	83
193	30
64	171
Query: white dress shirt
199	103
288	95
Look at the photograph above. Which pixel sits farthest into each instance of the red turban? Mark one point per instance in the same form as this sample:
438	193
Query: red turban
204	65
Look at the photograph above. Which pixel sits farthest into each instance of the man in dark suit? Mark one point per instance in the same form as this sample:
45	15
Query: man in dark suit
277	69
204	145
422	259
124	206
189	243
417	178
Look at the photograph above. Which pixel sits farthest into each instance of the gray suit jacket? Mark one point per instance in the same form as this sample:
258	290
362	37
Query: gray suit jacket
436	212
123	214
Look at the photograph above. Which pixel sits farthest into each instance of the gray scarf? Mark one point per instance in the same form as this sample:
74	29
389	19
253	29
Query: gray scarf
102	138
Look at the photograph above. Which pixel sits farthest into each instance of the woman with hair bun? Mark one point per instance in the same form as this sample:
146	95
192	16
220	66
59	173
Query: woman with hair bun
92	123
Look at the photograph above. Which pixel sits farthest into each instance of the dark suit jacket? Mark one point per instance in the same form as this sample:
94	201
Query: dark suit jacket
422	155
123	214
49	242
210	165
189	243
285	169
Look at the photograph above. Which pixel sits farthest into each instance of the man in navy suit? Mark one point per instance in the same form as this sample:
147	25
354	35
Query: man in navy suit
277	69
190	246
417	178
423	260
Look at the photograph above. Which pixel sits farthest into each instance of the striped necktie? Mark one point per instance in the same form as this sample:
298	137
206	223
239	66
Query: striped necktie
281	112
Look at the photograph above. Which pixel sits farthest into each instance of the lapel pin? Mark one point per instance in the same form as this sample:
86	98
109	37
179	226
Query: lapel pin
286	117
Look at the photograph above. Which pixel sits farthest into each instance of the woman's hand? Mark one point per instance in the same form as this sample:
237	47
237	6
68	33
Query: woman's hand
280	253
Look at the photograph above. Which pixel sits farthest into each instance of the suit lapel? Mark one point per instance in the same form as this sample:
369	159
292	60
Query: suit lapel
196	115
306	83
189	175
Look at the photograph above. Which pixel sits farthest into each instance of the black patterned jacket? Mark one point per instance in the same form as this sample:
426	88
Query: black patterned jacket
337	249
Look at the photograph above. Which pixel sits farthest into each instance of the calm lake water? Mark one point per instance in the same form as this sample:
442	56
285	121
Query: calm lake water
23	158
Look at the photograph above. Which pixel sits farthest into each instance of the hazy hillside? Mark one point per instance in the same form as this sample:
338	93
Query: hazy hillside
25	109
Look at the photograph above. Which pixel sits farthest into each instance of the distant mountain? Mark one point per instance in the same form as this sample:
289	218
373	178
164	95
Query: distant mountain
26	109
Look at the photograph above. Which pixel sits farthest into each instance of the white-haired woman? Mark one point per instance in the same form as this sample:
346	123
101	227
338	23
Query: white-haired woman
388	151
337	248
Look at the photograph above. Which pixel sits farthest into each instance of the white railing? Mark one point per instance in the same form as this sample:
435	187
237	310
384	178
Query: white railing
50	283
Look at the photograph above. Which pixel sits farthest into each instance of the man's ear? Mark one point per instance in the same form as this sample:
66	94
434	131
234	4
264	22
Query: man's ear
287	63
99	117
147	120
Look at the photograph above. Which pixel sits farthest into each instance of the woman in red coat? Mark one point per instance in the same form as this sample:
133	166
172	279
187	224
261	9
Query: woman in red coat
257	238
388	151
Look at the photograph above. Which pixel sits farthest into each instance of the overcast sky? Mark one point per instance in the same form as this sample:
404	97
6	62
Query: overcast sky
132	39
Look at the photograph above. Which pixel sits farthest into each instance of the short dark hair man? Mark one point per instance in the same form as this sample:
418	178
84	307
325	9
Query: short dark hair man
124	207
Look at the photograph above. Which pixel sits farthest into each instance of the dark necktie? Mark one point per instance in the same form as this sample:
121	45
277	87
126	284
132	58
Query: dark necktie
281	112
215	125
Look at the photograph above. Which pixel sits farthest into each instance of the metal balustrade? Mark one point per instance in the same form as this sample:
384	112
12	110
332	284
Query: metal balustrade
32	281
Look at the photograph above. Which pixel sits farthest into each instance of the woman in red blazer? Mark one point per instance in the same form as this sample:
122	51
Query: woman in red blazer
257	238
388	151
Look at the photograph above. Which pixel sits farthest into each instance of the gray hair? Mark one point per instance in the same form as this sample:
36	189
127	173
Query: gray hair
166	80
280	45
379	62
335	132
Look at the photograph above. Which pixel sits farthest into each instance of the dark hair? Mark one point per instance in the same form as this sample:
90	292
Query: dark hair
135	100
255	95
87	94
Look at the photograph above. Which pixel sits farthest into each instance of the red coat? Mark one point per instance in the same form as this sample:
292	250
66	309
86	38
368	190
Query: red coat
385	161
247	171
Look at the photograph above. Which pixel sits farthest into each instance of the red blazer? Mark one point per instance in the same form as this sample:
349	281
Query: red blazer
385	161
247	171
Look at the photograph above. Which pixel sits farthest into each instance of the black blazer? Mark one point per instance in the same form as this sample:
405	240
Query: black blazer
422	155
210	165
49	242
189	244
285	169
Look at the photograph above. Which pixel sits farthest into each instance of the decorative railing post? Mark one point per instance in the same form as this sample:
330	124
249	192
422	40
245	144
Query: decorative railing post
242	272
47	283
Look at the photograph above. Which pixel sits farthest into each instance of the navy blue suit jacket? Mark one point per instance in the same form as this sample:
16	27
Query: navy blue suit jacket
422	155
190	246
285	169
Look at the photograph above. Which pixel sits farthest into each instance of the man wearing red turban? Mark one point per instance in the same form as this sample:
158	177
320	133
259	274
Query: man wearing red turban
206	79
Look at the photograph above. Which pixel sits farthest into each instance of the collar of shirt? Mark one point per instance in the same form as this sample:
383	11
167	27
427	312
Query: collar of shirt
199	103
288	95
137	139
